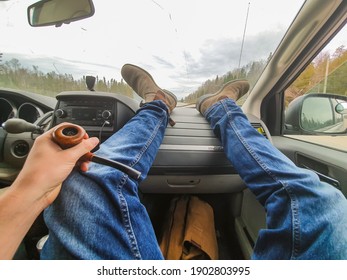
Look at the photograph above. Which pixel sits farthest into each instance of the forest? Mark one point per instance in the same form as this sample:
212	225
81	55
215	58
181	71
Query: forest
14	75
326	73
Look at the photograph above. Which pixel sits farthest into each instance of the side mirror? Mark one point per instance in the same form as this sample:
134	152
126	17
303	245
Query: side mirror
317	114
57	12
341	108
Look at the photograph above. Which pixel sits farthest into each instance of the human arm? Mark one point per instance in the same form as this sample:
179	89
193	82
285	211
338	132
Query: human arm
36	187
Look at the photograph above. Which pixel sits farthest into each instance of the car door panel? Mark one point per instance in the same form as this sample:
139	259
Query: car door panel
329	164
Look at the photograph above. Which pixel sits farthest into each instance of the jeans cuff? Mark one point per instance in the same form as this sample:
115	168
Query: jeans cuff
157	105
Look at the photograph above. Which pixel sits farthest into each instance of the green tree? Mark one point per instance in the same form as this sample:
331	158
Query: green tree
14	75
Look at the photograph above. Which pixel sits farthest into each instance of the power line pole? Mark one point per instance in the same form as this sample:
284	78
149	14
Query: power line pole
326	75
243	39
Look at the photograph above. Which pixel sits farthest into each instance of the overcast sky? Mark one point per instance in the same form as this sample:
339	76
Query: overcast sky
182	43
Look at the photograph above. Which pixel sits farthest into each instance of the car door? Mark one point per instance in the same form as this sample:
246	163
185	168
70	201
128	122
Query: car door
315	43
317	99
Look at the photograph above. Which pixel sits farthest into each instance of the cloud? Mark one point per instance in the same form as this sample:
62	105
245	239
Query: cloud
217	57
163	62
221	56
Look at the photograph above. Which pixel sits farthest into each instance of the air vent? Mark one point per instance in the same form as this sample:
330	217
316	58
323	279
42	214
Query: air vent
260	129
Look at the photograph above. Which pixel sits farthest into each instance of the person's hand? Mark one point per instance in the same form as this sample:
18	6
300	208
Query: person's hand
48	165
36	187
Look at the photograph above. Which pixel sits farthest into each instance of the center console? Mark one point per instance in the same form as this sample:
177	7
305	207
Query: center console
96	112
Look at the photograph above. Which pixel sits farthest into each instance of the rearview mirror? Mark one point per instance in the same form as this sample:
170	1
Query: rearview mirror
57	12
317	114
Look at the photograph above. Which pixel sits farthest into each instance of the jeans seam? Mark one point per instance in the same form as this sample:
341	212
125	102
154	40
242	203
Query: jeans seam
148	143
293	199
248	148
123	202
126	218
294	203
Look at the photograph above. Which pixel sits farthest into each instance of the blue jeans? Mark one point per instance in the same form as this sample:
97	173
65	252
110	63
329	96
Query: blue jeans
98	214
306	218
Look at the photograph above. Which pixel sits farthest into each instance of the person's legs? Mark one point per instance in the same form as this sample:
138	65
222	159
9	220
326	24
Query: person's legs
98	214
306	218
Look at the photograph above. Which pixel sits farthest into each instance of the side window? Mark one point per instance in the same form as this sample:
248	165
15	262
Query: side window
316	102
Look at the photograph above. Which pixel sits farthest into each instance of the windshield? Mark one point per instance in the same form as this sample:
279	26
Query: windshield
189	47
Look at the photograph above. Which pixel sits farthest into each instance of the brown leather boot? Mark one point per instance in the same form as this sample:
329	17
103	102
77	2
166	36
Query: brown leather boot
233	89
143	84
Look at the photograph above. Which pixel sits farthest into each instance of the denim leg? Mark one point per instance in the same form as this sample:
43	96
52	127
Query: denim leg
98	214
306	218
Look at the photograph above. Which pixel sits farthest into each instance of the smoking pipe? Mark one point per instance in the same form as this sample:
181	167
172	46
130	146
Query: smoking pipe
69	135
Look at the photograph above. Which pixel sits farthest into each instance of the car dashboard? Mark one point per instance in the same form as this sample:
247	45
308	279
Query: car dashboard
14	148
190	159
